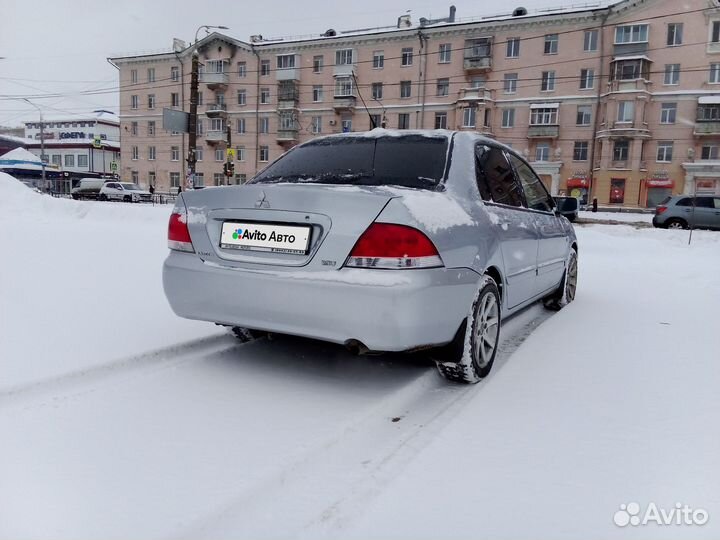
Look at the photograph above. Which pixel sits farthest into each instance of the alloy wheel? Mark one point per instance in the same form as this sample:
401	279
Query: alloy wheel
486	329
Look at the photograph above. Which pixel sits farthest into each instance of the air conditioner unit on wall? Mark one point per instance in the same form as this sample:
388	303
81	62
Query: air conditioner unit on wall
332	122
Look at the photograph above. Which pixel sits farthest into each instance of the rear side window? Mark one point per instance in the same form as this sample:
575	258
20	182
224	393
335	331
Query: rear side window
717	203
704	202
412	161
495	177
536	195
687	201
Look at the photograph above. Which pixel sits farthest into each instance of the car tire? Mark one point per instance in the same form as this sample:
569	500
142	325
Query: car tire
103	197
75	197
245	334
469	357
676	223
127	198
565	293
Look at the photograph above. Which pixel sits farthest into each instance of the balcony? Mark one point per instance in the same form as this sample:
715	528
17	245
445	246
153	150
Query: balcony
344	70
287	135
706	129
476	95
215	136
215	81
624	130
216	110
344	103
288	74
477	64
630	85
288	95
543	132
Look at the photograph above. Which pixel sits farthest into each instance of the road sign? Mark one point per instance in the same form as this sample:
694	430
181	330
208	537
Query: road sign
113	165
97	142
230	153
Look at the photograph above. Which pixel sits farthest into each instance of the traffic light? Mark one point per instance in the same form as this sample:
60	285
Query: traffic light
228	168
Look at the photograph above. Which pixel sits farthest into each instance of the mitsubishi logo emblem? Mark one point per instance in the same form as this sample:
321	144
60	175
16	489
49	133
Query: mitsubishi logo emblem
262	201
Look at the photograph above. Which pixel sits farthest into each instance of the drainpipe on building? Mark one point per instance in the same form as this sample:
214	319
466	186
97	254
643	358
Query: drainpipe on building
182	100
422	76
257	108
596	116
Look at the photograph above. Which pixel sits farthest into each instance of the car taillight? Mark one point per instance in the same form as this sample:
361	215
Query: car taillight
660	209
178	234
391	246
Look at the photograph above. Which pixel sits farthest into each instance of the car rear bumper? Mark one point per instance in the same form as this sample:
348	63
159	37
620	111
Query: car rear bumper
658	221
386	310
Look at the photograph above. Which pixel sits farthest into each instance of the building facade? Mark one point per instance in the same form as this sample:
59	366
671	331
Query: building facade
621	103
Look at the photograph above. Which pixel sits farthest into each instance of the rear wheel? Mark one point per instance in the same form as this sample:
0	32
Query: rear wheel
103	197
469	358
566	291
127	198
245	334
676	223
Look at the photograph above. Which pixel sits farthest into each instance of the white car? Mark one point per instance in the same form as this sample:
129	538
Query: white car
124	191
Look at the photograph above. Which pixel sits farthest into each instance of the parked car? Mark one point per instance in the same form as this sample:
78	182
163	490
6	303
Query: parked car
124	191
381	241
87	188
568	207
683	211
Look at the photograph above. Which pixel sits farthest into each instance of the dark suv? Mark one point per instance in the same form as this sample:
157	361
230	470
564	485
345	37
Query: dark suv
683	211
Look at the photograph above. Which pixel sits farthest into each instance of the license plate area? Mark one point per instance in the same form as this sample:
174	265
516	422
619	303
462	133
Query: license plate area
264	236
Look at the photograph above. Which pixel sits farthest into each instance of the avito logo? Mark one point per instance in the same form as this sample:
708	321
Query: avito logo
680	514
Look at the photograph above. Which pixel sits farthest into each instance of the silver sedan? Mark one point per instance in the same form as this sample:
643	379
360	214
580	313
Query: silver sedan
381	241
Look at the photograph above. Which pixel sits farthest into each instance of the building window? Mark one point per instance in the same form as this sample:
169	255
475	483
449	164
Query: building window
174	153
444	53
443	87
69	160
199	128
218	179
708	113
344	57
346	125
664	151
242	69
440	120
285	61
542	152
242	97
508	118
584	115
316	126
635	33
318	62
57	159
377	90
406	58
135	177
174	74
715	34
580	151
133	128
548	81
710	152
590	41
264	124
264	153
674	34
219	154
378	59
512	48
626	111
317	93
151	153
199	179
151	178
200	98
133	76
343	87
82	161
617	190
672	74
543	116
469	117
587	79
240	178
621	149
151	74
264	96
175	179
151	101
375	121
240	153
174	99
668	112
403	121
135	153
405	89
264	67
510	81
551	44
199	153
240	125
134	102
714	74
151	128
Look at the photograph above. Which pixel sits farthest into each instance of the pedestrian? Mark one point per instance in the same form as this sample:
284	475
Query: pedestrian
151	189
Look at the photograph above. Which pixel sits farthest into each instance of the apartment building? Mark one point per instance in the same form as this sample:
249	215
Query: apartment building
619	103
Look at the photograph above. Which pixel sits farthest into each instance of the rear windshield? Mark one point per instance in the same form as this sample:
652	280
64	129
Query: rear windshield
412	161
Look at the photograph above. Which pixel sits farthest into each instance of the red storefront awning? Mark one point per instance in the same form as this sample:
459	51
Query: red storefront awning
578	182
660	183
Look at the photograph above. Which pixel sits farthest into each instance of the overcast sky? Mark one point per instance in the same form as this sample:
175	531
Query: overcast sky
61	46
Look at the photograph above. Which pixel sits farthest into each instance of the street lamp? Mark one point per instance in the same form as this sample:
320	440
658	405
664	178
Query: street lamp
42	140
192	118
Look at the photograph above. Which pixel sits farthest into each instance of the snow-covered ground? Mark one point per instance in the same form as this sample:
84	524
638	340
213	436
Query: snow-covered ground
619	217
120	420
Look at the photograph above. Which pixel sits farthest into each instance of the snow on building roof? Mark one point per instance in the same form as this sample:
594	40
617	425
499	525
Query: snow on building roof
20	154
709	100
94	116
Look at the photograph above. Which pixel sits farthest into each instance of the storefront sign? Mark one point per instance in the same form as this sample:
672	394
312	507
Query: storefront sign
659	183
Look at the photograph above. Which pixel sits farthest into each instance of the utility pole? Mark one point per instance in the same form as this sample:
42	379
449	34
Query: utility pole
192	122
42	141
229	155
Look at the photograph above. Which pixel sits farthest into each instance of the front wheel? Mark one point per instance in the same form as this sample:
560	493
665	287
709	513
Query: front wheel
470	357
566	291
103	197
